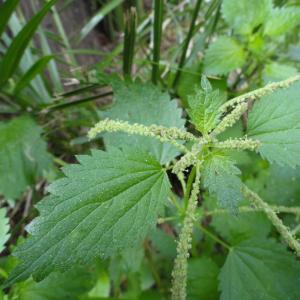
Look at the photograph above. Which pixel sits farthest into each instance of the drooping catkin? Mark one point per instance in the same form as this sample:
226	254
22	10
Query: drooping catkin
179	274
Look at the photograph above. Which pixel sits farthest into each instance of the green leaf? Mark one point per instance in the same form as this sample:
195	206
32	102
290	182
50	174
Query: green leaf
14	53
102	287
271	185
274	120
35	70
241	226
144	104
220	176
163	243
277	72
223	56
188	80
4	228
204	107
69	285
6	10
105	204
23	155
244	15
260	269
202	279
281	20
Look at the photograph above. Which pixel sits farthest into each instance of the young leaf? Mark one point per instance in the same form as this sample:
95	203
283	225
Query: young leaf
260	269
244	15
202	279
4	228
144	104
204	107
106	203
220	176
23	155
274	120
223	56
13	55
281	20
35	70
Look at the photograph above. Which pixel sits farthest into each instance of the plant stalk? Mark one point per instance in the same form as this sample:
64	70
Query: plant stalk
129	40
157	31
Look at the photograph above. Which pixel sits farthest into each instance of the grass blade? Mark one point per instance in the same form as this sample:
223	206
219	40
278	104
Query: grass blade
157	30
6	11
98	17
187	42
19	44
35	70
46	50
39	93
60	28
129	40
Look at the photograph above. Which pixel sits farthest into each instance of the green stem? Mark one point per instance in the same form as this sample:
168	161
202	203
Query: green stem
189	187
287	236
75	102
213	24
129	40
187	42
214	237
179	273
157	31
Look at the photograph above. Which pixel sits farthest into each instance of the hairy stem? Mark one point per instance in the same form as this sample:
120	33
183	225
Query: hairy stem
214	237
256	94
287	236
189	187
179	273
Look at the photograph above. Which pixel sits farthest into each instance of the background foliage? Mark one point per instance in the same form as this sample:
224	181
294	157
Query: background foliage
141	62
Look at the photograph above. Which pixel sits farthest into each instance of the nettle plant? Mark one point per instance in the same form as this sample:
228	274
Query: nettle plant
113	198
